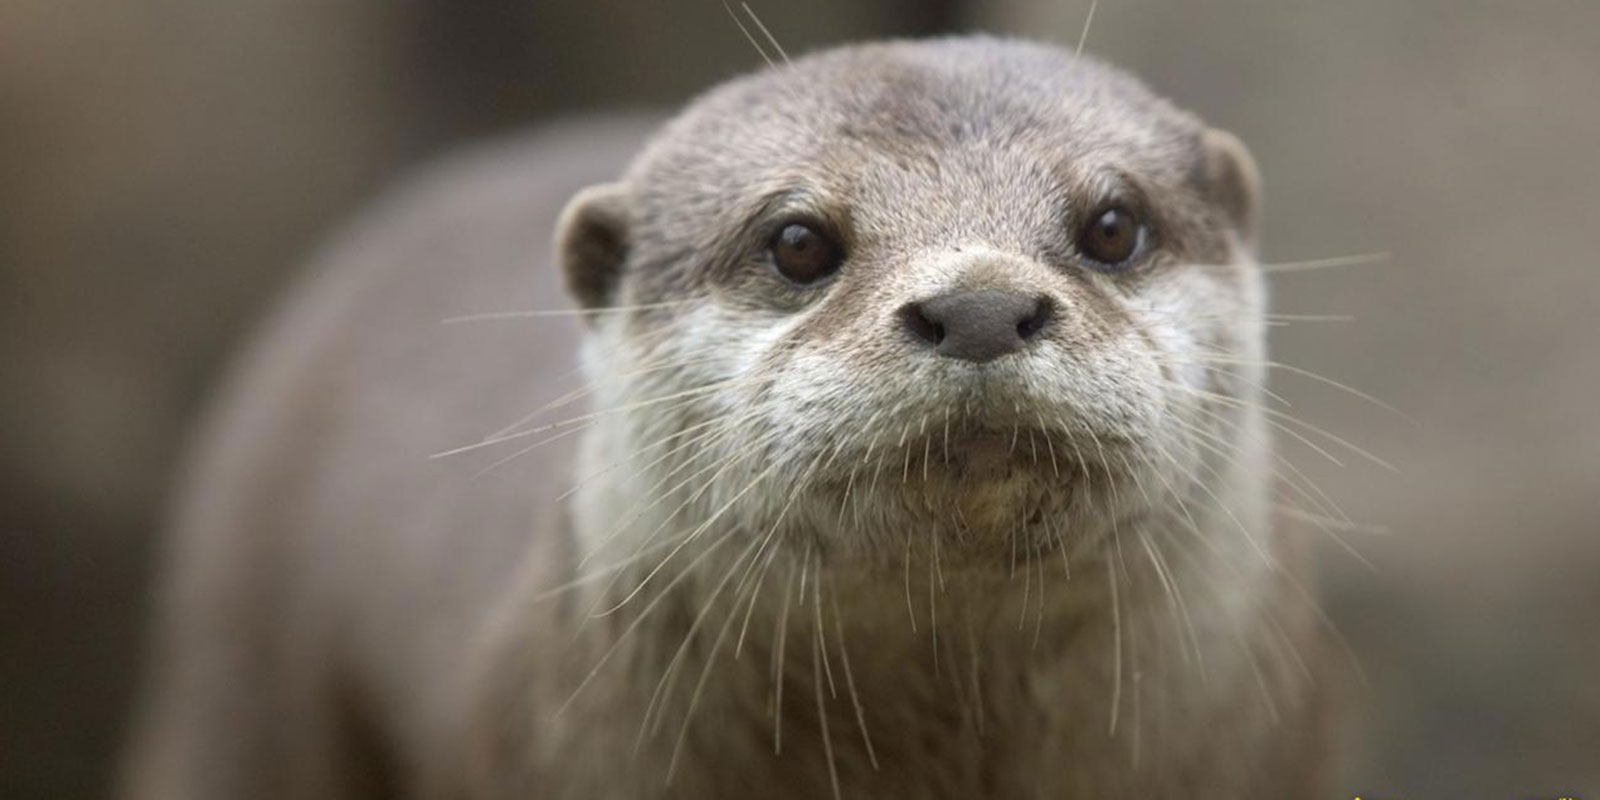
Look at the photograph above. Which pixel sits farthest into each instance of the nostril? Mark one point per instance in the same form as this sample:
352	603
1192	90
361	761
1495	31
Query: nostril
1030	325
919	324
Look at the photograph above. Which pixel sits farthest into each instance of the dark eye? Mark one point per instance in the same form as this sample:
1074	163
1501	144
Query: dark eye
1111	237
805	255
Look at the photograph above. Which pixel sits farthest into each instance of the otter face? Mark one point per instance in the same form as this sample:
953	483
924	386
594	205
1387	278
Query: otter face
967	286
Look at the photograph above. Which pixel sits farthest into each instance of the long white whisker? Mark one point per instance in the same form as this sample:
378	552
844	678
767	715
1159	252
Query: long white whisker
778	665
822	714
747	35
765	32
1325	263
693	535
1083	36
643	615
850	680
490	316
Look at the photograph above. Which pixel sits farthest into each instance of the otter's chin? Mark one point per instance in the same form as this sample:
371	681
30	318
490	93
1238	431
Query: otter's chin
985	458
992	482
995	503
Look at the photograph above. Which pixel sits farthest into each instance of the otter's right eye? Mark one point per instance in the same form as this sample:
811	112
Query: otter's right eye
805	255
1111	238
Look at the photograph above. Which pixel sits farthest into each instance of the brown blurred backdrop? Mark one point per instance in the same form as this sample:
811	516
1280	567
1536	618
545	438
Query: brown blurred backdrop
164	165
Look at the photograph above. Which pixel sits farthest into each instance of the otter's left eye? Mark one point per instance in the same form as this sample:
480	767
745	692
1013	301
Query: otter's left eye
805	255
1111	237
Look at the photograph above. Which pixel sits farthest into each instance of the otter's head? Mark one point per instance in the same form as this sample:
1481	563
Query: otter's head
970	287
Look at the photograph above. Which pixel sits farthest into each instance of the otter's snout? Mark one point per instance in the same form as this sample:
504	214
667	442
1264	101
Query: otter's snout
979	325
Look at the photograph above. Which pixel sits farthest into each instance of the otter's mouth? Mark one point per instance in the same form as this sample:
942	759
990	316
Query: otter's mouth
985	452
983	486
996	454
980	485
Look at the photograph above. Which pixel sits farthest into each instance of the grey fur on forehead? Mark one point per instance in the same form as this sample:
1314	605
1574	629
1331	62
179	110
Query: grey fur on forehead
915	145
928	94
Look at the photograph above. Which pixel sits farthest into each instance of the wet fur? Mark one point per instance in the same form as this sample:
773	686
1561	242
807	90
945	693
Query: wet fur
777	559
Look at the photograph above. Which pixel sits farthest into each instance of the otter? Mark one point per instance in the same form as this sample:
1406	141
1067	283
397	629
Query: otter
921	454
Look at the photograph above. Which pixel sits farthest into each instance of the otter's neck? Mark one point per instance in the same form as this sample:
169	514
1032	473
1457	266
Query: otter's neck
810	669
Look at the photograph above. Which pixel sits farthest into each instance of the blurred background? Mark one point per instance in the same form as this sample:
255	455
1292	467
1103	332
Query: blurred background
166	164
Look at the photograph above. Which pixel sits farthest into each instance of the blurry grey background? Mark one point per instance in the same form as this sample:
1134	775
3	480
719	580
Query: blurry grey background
165	164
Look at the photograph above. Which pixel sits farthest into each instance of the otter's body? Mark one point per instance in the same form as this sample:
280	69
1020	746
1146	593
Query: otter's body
829	526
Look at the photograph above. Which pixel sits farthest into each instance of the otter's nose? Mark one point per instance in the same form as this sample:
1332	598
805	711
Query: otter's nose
979	325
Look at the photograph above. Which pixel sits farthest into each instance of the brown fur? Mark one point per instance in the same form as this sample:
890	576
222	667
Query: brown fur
351	619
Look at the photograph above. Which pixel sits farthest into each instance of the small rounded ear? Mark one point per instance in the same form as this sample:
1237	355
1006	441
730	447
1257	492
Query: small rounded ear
1232	181
592	243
